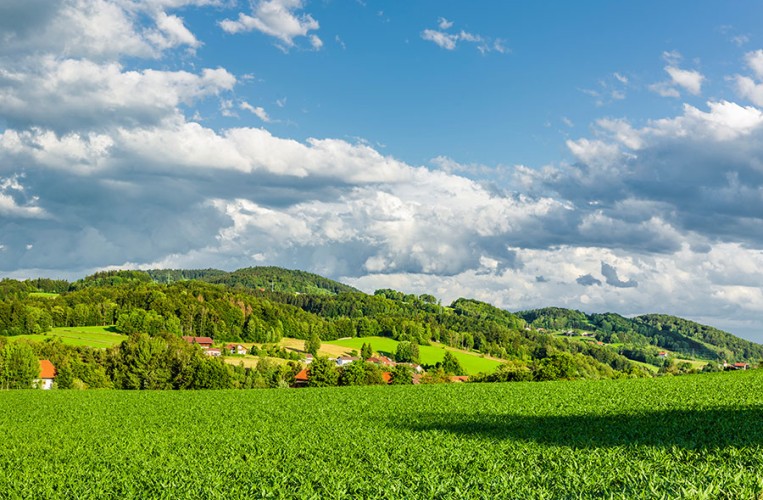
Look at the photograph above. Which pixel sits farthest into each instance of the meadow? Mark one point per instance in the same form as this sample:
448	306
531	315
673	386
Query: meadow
429	355
696	436
91	336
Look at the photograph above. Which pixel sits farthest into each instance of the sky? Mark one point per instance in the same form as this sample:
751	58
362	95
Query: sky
604	156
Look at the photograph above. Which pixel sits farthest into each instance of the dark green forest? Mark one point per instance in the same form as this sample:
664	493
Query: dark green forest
265	304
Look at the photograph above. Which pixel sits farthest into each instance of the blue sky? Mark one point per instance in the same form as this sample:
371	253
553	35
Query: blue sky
605	156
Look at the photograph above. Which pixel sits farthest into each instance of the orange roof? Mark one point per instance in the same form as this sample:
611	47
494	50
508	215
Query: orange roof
459	378
47	370
387	377
301	376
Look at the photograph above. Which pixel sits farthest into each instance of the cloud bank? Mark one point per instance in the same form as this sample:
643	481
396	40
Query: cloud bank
102	164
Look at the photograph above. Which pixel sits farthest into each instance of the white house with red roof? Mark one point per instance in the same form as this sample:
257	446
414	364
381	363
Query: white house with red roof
47	375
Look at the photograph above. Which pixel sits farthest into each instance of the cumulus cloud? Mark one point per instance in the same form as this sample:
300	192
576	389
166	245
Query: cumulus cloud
69	93
277	18
100	165
686	79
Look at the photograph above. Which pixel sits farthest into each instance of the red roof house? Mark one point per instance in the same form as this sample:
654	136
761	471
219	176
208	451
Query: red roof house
47	375
204	342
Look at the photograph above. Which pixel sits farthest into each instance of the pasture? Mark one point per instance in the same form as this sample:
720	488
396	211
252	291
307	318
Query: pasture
696	436
429	355
91	336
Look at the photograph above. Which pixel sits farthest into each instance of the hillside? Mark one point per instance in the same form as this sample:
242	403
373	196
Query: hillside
643	337
272	279
266	304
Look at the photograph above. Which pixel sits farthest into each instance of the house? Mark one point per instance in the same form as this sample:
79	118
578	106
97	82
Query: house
740	366
308	358
300	380
47	375
662	354
586	334
459	378
203	342
213	352
381	360
346	360
236	349
570	333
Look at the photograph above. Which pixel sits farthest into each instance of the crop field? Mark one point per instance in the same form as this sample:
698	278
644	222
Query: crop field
92	336
684	437
472	363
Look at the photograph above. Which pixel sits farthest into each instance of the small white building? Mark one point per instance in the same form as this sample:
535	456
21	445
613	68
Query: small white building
213	352
47	375
345	360
236	349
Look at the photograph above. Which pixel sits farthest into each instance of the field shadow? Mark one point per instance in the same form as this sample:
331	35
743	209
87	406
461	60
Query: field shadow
689	429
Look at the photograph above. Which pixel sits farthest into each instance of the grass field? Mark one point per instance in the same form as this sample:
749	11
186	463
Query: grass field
694	436
472	363
46	295
93	336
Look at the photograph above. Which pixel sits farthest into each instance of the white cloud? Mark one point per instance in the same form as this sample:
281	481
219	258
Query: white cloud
276	18
75	92
444	40
690	80
444	24
755	62
665	89
172	32
258	111
449	41
13	203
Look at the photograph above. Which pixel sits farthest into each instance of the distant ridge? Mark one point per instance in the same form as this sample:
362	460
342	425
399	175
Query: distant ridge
264	278
648	331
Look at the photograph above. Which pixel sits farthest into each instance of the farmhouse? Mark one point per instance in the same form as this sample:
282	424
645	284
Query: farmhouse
236	349
381	360
662	354
203	342
346	360
47	375
740	366
308	358
213	352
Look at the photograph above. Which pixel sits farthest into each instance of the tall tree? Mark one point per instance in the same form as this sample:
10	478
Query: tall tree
19	366
312	344
366	351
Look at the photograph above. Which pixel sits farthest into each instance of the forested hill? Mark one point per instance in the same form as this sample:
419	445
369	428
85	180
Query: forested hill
643	336
264	304
274	279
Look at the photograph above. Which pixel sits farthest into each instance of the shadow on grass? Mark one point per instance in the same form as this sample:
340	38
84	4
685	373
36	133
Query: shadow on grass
690	429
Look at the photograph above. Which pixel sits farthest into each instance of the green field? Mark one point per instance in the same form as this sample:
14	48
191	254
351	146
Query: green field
46	295
429	355
92	336
696	436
